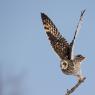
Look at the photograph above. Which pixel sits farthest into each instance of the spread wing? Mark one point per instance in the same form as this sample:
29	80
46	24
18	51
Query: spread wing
76	32
59	44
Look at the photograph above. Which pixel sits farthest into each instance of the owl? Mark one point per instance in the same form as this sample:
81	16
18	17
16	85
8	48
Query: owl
70	64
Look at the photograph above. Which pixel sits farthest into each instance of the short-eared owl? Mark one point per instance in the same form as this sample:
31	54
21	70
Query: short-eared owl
69	65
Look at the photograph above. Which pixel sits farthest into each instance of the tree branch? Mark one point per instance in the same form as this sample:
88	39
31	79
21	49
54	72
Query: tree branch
74	87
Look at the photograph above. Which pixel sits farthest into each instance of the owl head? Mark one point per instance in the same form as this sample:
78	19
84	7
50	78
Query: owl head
79	58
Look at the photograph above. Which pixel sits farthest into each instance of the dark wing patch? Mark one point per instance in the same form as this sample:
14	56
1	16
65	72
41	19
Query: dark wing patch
60	45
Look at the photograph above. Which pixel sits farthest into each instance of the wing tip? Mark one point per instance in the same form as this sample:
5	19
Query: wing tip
44	16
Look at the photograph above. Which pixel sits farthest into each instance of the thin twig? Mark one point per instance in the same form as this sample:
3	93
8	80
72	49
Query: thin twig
74	87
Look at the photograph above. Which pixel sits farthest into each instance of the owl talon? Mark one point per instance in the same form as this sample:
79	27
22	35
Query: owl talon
82	79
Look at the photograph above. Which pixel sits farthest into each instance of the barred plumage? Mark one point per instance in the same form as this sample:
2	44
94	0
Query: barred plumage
58	42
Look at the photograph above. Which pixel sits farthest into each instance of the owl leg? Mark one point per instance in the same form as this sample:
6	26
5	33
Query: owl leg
79	76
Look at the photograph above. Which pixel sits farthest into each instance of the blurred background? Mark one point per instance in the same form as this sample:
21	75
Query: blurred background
28	64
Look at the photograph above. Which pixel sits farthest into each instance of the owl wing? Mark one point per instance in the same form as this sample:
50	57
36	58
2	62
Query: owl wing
59	44
76	32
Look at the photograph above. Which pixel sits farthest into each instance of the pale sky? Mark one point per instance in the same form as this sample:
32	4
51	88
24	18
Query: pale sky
28	64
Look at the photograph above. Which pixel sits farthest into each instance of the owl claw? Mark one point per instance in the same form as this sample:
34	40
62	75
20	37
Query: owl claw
82	79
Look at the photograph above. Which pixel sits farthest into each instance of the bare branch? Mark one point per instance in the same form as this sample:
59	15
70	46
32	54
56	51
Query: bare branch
74	87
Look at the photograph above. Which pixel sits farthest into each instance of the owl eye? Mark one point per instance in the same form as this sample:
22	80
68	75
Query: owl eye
79	56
